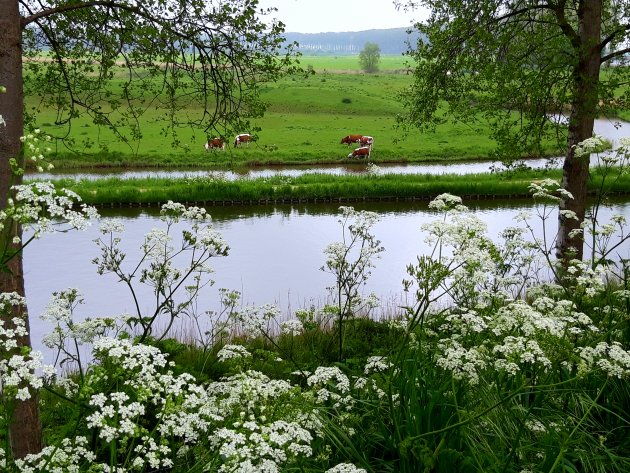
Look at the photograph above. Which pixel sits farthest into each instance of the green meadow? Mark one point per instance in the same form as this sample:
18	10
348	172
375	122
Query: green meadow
304	123
306	117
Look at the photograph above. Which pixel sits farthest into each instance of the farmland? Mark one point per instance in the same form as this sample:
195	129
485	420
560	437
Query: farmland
307	115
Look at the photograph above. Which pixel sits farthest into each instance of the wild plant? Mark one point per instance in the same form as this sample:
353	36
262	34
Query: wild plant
157	265
38	208
350	261
500	368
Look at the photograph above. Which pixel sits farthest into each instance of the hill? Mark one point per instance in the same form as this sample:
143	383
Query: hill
391	41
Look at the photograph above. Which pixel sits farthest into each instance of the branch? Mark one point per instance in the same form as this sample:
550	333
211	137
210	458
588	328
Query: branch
611	36
75	6
564	25
613	55
542	6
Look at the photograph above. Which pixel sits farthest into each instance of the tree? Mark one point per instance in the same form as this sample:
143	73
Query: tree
369	57
518	64
115	59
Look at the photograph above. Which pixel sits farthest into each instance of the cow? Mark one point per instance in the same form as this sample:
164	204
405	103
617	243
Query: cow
215	143
362	152
243	138
351	139
366	141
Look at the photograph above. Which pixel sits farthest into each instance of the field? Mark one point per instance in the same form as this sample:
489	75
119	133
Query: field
304	123
305	120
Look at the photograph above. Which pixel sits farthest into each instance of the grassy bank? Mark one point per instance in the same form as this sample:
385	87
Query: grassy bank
313	188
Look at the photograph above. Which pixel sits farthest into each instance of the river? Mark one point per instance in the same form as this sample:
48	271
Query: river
275	257
276	251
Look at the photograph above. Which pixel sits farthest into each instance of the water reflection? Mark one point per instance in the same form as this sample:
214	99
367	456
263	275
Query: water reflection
275	257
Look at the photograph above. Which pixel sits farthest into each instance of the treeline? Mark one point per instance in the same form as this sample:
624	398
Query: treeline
391	41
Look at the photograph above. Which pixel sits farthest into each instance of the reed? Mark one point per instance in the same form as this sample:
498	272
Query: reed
317	187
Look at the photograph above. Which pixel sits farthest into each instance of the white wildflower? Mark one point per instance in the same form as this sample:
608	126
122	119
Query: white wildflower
231	352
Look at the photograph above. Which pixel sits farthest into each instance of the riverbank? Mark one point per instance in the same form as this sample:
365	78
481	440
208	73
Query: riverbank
319	188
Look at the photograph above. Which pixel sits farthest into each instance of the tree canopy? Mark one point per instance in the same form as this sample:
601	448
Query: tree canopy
159	53
518	65
369	57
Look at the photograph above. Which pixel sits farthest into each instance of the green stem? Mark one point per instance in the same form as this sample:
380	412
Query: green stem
563	447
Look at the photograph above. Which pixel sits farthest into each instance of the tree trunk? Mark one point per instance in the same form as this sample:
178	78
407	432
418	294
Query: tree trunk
25	428
583	110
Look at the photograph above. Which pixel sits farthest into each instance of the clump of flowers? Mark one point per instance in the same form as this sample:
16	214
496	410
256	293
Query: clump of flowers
19	367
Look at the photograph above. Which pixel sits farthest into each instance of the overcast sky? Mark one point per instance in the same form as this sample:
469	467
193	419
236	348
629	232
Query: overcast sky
320	16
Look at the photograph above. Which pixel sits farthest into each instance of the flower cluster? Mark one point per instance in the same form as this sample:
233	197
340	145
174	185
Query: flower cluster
33	150
595	144
611	358
70	456
18	368
230	352
42	208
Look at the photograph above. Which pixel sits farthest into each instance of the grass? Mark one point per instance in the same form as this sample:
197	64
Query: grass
314	187
388	63
305	121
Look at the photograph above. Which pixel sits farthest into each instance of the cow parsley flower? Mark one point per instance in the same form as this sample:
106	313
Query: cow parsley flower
376	364
292	327
346	468
445	202
612	359
594	144
230	352
463	363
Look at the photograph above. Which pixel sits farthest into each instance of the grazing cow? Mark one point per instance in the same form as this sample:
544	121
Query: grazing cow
362	152
366	141
243	138
351	139
215	143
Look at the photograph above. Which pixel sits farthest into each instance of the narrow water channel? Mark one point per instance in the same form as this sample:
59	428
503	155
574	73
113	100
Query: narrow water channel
275	257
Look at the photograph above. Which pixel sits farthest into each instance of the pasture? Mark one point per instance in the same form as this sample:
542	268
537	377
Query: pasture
305	121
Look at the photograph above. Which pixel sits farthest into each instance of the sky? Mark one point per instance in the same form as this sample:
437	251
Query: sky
322	16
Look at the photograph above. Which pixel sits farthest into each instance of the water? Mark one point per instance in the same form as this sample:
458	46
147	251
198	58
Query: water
611	130
276	251
275	257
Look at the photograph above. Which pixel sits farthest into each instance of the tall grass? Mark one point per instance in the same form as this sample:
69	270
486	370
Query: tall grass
313	187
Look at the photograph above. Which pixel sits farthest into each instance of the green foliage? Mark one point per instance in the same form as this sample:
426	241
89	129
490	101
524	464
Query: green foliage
307	109
475	62
319	186
489	368
84	73
370	57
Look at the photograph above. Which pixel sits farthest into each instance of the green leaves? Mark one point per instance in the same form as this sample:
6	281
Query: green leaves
101	61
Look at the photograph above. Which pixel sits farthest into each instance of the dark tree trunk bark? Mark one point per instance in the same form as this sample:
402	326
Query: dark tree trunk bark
25	428
583	110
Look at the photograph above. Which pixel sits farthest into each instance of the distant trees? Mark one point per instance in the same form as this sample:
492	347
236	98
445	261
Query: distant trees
370	57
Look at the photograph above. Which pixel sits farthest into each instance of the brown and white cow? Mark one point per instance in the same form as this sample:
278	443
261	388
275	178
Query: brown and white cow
243	138
349	139
366	140
362	152
215	143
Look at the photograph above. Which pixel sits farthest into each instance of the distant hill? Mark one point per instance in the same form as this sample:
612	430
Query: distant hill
391	41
